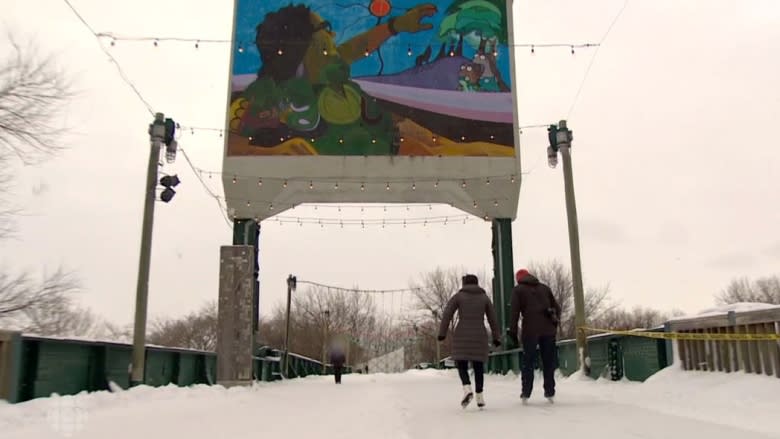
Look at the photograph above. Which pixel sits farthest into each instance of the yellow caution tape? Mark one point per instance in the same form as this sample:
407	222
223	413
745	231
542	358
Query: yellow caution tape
690	335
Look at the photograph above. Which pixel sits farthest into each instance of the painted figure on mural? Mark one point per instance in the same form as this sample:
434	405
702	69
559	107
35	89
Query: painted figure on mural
304	87
372	77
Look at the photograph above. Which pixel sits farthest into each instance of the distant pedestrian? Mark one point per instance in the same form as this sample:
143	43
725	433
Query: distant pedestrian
337	359
541	316
470	340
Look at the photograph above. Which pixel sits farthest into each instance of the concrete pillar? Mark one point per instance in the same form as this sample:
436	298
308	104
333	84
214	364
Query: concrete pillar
235	335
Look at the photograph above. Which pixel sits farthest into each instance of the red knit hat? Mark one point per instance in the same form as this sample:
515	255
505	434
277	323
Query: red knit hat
521	273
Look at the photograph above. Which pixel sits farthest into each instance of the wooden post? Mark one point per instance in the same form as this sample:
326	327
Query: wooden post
767	347
235	335
682	347
776	330
725	354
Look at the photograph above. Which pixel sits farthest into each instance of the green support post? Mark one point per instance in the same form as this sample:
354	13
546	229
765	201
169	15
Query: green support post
11	366
247	232
503	274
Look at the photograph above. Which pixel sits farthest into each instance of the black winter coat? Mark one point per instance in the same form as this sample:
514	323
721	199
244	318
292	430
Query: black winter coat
534	300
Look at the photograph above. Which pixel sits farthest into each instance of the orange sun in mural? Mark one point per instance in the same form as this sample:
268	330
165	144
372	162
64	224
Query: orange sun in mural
379	8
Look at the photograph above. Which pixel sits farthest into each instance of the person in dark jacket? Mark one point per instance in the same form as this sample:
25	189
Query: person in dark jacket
337	359
470	340
540	311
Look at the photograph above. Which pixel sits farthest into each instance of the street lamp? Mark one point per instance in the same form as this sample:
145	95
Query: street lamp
560	138
326	313
435	313
292	282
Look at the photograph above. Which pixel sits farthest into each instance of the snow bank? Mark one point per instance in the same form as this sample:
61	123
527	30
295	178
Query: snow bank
740	400
725	309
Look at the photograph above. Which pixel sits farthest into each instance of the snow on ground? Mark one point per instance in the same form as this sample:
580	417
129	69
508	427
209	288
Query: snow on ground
725	309
414	405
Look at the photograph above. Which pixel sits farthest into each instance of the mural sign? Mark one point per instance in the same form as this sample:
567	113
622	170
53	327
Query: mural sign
371	78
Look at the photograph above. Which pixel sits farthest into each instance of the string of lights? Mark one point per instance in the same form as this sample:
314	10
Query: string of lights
593	58
193	129
113	60
198	42
336	182
358	290
281	206
383	223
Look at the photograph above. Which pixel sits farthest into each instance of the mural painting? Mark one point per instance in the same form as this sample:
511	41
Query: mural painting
374	77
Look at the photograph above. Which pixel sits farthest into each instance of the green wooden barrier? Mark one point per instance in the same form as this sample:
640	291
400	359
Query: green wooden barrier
612	356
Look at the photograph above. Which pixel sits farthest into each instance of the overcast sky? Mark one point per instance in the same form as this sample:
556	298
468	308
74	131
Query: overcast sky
675	157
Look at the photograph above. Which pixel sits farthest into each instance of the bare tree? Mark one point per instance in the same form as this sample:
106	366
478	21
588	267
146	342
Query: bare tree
559	278
33	94
197	330
764	290
21	295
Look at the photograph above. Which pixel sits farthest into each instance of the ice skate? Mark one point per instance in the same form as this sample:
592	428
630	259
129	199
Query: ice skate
480	400
467	396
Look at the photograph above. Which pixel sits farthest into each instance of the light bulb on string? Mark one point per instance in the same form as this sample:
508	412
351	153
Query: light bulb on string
495	203
492	137
241	48
367	53
271	206
572	50
197	44
430	207
463	184
532	50
234	179
414	186
362	186
487	182
325	51
113	42
512	179
220	133
436	184
280	52
259	181
336	186
452	53
284	185
311	185
248	203
487	218
387	188
257	220
155	43
475	204
409	51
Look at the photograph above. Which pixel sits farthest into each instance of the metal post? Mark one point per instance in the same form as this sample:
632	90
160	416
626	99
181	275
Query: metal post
156	134
290	286
574	249
325	338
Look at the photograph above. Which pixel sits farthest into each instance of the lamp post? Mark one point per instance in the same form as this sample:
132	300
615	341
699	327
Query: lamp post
325	328
560	138
435	314
291	284
161	132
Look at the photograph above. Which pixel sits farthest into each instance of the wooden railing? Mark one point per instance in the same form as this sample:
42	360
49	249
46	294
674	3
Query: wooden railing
729	354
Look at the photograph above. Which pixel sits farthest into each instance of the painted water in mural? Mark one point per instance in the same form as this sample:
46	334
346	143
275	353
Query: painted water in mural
373	77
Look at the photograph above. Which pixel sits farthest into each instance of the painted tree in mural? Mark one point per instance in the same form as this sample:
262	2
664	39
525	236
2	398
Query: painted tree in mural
482	24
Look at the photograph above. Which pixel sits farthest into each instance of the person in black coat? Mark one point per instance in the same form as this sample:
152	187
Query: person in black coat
337	359
540	311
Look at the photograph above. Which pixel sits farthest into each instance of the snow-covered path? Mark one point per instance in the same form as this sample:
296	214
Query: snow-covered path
414	405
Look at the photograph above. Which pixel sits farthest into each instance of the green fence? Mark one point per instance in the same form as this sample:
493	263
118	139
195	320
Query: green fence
612	356
34	367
